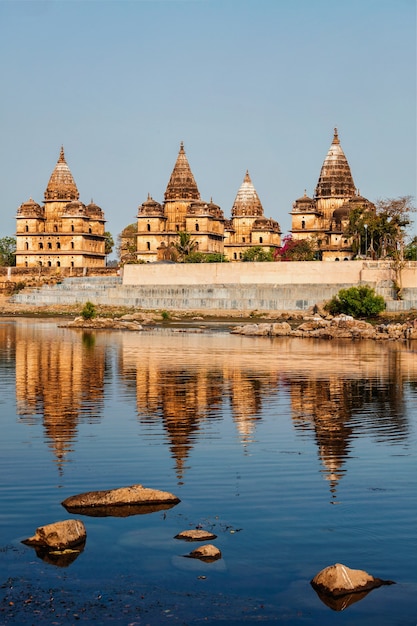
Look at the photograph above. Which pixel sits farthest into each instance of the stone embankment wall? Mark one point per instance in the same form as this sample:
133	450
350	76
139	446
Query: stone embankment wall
229	287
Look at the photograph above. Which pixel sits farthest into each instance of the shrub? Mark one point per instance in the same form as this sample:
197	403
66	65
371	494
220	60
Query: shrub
359	301
89	311
165	316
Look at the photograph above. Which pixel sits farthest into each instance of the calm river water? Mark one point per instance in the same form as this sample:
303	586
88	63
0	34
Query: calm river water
296	453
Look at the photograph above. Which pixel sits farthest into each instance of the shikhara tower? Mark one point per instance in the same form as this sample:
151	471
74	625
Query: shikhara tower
323	218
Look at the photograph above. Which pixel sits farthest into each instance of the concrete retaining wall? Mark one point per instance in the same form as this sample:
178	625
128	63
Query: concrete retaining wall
201	297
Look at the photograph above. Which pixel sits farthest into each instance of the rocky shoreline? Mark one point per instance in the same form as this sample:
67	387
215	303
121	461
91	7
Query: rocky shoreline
341	327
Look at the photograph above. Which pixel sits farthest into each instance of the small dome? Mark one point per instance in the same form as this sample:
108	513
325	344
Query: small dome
359	201
150	207
94	211
341	213
30	209
305	203
265	224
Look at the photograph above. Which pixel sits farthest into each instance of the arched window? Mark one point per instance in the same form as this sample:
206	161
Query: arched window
303	224
148	245
72	228
148	227
244	239
58	263
49	245
89	230
72	245
26	246
58	245
26	228
261	240
55	228
234	256
49	263
40	245
72	263
197	227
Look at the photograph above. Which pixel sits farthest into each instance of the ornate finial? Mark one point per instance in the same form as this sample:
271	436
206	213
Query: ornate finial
305	193
182	146
61	155
336	136
247	177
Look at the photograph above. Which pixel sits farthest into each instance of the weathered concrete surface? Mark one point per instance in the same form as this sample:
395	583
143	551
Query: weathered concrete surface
208	553
195	535
229	286
120	502
339	580
59	535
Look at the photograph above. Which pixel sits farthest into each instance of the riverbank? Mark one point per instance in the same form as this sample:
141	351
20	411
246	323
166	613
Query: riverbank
8	308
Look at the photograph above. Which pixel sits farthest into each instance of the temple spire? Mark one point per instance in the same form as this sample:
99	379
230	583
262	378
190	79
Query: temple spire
182	185
247	200
61	185
335	180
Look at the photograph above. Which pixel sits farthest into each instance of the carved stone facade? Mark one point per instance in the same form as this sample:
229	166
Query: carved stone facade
324	218
63	232
159	225
248	227
182	211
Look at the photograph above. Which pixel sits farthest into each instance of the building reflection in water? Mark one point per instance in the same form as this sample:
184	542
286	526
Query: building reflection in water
59	381
337	391
182	383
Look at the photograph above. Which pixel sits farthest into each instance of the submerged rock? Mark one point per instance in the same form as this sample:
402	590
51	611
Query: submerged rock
116	501
195	535
338	580
59	535
207	553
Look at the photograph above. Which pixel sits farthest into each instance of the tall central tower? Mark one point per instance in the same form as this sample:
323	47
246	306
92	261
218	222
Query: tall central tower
180	192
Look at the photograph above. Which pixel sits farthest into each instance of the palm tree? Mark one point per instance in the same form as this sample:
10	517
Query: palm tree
185	246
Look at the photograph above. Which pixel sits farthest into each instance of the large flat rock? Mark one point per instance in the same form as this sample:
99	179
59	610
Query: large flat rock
120	502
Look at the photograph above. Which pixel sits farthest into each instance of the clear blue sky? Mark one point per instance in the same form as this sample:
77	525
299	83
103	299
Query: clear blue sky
245	84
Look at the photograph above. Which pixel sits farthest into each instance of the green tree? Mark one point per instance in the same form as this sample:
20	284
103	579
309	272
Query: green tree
89	311
410	250
359	301
108	243
7	251
257	253
185	246
381	233
206	257
126	244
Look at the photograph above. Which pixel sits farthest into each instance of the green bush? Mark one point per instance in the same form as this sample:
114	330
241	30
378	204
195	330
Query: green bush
89	311
165	315
356	301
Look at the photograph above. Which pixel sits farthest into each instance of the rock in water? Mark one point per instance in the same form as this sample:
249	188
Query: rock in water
195	535
338	580
207	553
134	495
59	535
